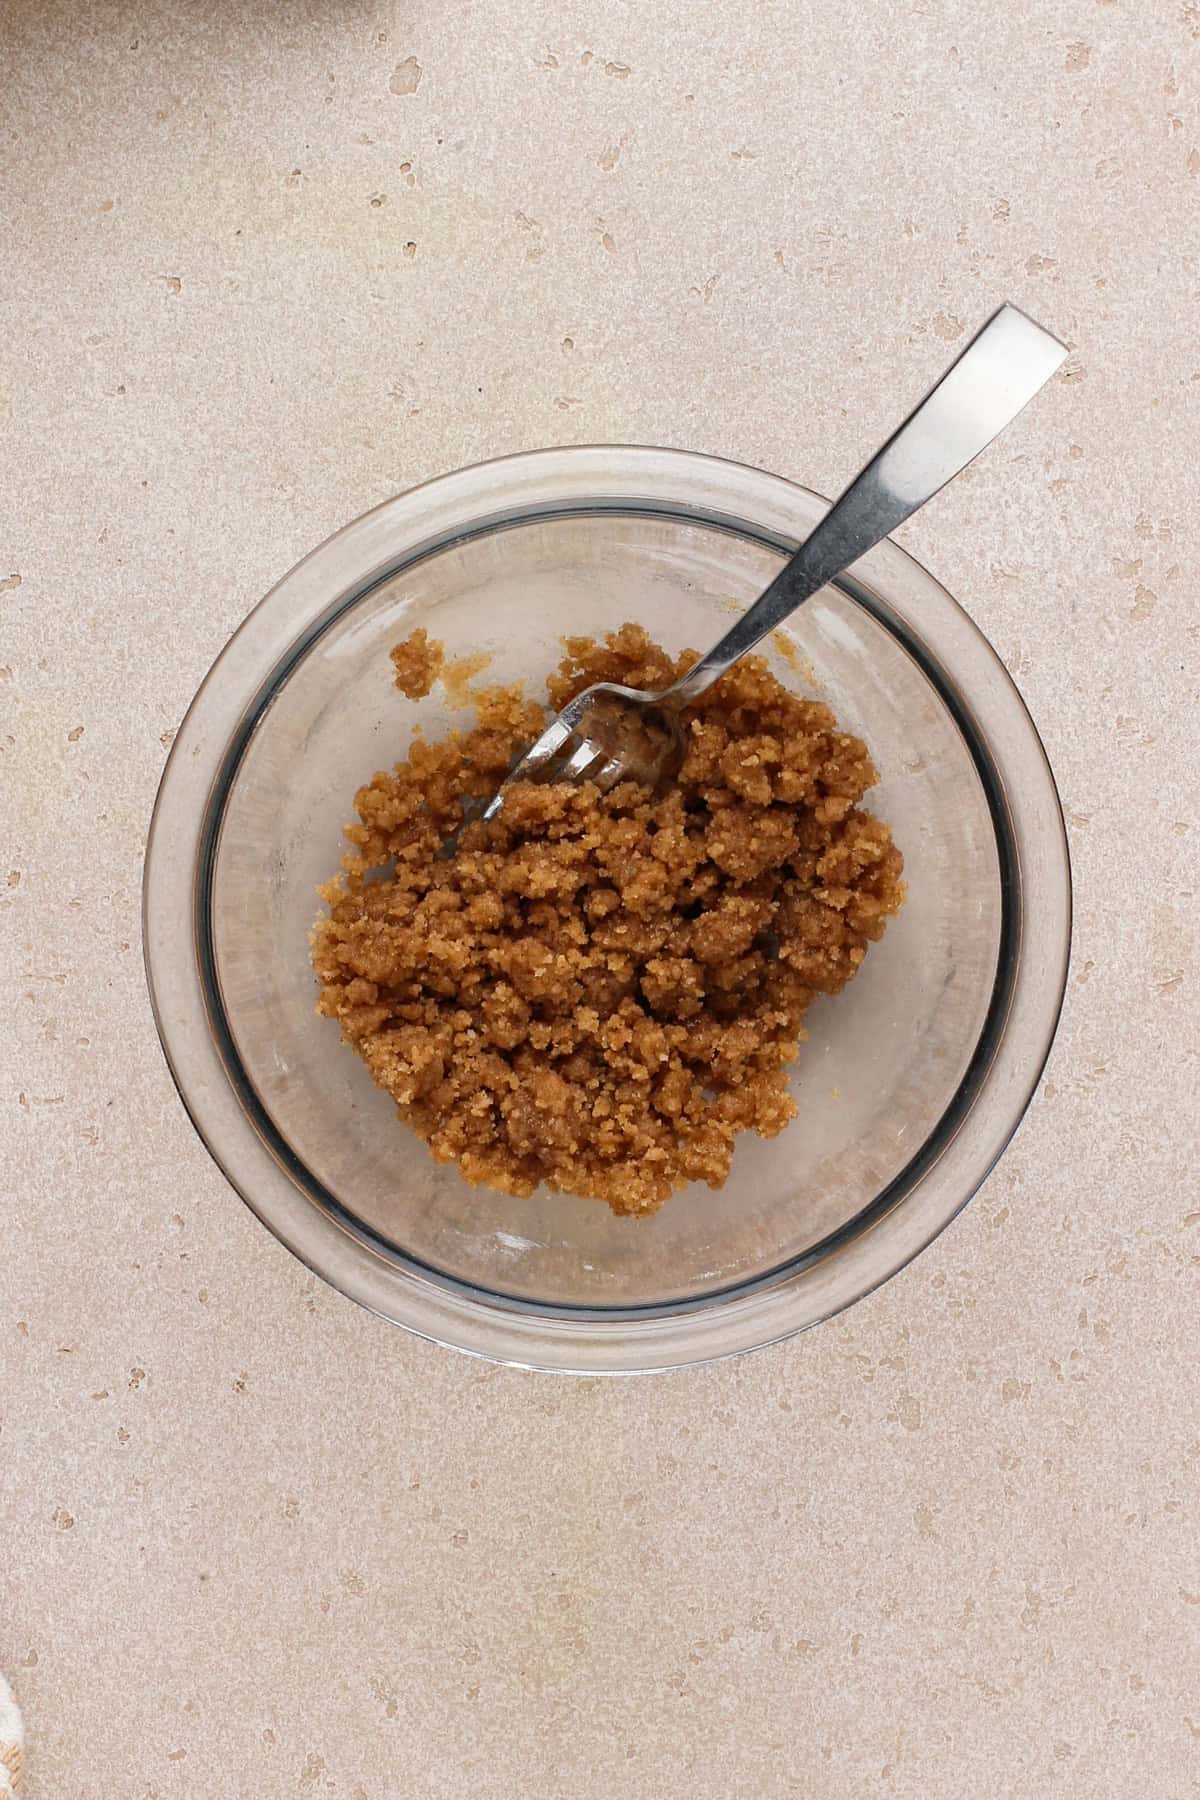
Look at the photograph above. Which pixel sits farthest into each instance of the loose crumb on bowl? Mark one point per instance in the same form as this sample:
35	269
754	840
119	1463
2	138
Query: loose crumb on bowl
417	663
600	992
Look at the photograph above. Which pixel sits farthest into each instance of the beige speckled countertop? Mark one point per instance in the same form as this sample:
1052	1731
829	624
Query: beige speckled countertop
265	265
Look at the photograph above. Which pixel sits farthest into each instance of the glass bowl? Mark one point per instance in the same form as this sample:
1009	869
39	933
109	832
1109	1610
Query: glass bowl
912	1080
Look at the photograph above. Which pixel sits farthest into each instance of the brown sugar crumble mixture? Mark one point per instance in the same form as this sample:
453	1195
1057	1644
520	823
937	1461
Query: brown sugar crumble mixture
599	992
417	663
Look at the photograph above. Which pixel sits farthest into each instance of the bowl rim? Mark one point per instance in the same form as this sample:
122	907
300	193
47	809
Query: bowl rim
239	1134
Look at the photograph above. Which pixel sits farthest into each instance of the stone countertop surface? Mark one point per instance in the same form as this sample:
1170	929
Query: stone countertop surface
265	266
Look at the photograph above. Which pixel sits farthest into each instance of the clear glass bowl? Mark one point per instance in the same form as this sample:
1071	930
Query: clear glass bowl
912	1080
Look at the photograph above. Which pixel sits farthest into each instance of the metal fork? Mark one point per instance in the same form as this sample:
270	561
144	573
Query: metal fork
611	733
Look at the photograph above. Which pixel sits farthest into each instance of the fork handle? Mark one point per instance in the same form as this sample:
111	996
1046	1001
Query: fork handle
997	374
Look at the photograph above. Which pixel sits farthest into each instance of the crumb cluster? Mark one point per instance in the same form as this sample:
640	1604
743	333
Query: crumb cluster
416	664
600	992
